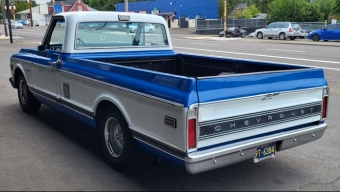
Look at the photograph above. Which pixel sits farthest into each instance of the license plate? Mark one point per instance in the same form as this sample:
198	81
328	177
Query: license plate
264	152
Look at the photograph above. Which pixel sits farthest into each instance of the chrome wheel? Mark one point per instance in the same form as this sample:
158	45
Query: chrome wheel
114	138
259	35
23	91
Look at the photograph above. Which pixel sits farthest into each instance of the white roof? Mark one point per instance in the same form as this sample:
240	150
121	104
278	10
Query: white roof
77	16
73	18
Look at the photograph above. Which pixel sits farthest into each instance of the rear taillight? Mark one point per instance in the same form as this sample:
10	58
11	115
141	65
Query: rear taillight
325	94
192	134
290	29
192	129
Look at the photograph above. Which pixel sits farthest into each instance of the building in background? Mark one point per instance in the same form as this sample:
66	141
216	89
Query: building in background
43	13
178	13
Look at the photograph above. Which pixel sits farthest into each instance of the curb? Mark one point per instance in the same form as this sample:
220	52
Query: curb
329	44
308	43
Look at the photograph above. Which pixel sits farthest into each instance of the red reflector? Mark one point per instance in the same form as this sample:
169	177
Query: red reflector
290	30
324	107
192	133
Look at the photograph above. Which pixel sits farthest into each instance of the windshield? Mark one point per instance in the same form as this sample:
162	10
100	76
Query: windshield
120	34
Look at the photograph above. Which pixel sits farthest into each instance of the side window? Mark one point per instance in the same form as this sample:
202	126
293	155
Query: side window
331	27
55	36
270	26
285	25
278	25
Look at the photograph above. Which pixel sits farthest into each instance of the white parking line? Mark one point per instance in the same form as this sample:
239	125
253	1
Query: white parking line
258	55
205	44
335	69
286	50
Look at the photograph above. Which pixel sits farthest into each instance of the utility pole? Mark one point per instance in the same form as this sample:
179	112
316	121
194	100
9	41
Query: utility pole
293	10
9	22
4	16
31	13
126	6
225	16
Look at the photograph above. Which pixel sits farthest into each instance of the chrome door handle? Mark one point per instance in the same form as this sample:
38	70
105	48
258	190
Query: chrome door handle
56	63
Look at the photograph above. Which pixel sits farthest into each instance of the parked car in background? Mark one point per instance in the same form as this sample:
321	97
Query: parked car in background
282	30
148	27
17	25
28	22
330	32
251	35
305	33
21	21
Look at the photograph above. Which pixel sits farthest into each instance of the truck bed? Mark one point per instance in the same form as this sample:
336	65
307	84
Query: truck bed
198	66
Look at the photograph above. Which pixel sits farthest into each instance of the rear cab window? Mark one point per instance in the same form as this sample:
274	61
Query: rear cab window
120	34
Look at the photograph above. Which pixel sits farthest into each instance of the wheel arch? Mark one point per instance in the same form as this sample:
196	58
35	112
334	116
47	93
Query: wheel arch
102	103
17	71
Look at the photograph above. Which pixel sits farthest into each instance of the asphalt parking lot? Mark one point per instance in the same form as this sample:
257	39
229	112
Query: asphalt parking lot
51	151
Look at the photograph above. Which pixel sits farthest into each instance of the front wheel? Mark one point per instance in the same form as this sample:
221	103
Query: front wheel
28	102
259	35
117	141
315	37
150	31
243	35
292	38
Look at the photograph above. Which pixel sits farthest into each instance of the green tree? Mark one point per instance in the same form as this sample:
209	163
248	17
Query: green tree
21	5
249	12
281	10
335	7
231	4
312	13
262	5
325	7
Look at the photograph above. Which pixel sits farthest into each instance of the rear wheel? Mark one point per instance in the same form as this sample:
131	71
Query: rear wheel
282	36
270	37
259	35
118	144
150	31
315	37
292	38
243	35
28	102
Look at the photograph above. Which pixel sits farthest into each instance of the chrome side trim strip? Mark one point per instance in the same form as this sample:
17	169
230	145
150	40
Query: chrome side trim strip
164	146
62	102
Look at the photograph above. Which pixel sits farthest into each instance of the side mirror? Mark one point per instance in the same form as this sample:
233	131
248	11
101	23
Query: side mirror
41	48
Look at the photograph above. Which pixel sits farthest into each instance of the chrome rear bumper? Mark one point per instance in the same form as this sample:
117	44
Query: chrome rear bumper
210	159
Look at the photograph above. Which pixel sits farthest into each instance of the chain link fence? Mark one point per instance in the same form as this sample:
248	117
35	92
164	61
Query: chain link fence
312	25
204	24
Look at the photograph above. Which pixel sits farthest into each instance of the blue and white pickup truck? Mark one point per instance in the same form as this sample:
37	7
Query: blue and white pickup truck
199	111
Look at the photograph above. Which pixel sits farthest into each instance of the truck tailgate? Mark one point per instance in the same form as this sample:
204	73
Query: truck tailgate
234	108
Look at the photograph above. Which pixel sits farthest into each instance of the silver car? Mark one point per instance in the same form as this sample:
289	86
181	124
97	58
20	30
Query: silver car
281	30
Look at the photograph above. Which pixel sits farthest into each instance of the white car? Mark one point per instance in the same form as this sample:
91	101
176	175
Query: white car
148	28
251	35
17	25
281	30
28	22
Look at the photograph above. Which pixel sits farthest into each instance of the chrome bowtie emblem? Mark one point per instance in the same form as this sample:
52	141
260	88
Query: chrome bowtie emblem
270	95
